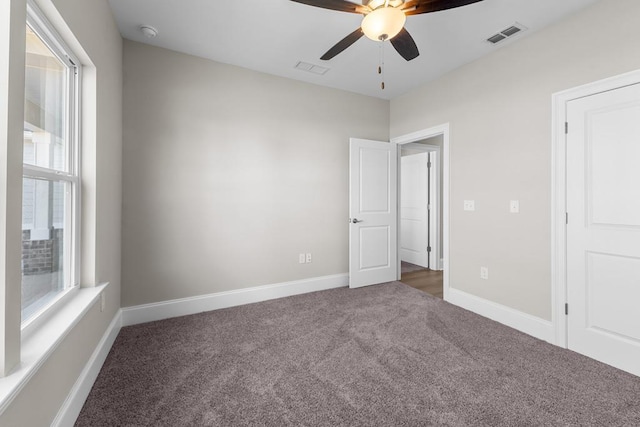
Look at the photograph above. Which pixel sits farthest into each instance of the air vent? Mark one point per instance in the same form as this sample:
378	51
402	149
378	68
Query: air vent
506	33
311	68
511	31
497	38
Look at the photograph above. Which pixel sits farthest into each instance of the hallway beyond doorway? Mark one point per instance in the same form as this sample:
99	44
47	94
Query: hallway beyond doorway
429	281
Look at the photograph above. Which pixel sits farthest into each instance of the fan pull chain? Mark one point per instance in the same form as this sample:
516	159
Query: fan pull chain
381	64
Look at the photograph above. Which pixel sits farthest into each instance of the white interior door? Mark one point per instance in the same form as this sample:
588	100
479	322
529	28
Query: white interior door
603	230
372	212
414	225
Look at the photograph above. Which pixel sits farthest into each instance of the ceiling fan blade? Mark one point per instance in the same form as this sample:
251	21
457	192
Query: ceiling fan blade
416	7
343	44
339	5
405	45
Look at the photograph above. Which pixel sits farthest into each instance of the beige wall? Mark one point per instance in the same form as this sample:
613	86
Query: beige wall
230	174
499	108
89	27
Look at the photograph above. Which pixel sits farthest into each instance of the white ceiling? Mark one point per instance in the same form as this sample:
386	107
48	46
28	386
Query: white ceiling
271	36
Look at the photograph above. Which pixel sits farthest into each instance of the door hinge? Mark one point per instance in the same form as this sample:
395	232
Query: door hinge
428	164
566	308
566	128
566	217
428	206
428	248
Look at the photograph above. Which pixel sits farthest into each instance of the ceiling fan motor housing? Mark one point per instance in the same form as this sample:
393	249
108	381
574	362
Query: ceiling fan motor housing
374	4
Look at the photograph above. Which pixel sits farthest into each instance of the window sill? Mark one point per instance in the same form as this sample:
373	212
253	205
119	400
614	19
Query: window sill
39	344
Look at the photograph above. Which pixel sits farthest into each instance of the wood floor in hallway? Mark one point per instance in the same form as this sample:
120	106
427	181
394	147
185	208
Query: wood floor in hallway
429	281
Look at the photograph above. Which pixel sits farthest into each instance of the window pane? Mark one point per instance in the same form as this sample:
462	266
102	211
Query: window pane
45	244
45	117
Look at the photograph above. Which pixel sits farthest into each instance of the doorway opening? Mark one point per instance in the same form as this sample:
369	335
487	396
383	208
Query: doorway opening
420	211
423	210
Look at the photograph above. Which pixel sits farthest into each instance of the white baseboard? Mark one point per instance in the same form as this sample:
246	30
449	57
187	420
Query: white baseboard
192	305
72	406
523	322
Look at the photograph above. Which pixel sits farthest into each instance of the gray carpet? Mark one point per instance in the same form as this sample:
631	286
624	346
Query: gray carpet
385	355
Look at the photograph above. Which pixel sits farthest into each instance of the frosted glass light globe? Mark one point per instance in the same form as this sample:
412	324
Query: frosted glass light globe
383	23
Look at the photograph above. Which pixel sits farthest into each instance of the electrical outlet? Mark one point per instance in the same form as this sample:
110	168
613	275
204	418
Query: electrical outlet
308	257
514	206
301	258
484	273
469	205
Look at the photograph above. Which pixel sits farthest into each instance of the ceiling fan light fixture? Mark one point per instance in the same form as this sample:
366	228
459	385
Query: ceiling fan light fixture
383	23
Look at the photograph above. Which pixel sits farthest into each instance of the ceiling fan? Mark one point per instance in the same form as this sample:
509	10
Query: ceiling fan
384	20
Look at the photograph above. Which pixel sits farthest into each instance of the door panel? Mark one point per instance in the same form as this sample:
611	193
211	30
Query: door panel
373	204
609	277
603	233
613	159
374	183
374	241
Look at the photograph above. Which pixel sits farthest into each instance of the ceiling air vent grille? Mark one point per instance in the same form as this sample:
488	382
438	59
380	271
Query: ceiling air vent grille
496	38
506	33
311	68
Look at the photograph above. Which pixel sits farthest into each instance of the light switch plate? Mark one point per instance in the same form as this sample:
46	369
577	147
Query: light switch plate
514	206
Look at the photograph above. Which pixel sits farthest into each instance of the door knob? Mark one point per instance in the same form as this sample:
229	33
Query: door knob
356	220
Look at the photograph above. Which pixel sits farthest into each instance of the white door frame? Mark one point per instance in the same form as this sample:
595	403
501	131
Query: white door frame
559	192
434	220
419	136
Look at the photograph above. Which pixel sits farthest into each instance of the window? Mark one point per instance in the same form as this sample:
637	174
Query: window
50	189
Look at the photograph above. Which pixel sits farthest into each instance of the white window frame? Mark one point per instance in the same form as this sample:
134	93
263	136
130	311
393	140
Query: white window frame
37	21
